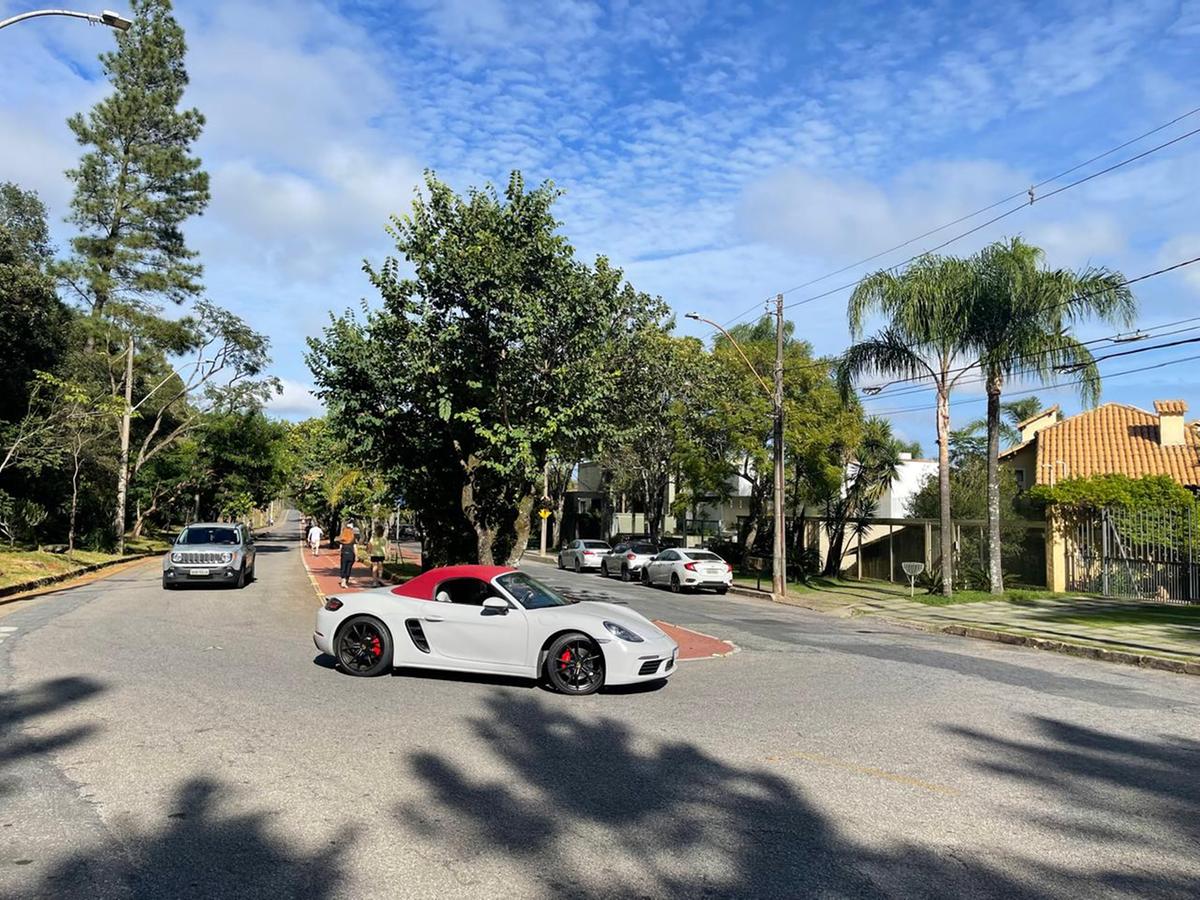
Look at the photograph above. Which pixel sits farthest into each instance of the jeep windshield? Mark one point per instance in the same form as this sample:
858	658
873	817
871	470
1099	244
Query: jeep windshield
194	535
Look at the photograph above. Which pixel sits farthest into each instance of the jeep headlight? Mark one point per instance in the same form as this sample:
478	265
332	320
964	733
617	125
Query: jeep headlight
176	556
226	557
623	633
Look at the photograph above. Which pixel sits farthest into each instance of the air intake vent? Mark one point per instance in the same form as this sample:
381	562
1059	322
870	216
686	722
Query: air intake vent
417	634
649	668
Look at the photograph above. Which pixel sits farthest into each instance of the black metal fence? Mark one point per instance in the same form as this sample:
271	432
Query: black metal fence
1147	554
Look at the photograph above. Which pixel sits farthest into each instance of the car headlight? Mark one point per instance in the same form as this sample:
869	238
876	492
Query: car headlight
176	557
623	633
226	557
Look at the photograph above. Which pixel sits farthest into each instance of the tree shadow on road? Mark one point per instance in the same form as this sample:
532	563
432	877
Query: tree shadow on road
202	851
1121	789
20	709
588	809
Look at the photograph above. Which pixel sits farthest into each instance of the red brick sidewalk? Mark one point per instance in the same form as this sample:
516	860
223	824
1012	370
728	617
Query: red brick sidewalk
324	570
696	644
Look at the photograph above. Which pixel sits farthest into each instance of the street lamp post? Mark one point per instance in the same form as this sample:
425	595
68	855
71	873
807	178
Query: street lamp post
108	17
779	562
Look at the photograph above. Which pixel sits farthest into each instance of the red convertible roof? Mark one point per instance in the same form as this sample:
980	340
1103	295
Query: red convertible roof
421	587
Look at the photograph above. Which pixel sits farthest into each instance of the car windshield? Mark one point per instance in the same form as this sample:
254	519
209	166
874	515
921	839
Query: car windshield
595	545
704	556
198	535
644	549
530	593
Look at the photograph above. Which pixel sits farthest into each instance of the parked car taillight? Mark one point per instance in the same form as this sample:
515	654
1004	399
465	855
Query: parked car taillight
589	553
333	604
729	566
691	567
631	556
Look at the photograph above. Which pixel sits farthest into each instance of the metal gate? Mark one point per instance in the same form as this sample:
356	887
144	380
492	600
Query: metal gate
1136	554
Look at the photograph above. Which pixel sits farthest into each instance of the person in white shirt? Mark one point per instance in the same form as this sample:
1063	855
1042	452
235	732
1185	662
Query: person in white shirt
314	538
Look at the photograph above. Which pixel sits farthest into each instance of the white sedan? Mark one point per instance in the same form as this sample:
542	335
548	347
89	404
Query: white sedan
688	569
580	555
627	559
493	620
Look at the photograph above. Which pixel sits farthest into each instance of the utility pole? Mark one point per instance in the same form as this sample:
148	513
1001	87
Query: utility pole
123	469
779	564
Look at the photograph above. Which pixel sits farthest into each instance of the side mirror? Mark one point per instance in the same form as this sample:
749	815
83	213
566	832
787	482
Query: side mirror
497	605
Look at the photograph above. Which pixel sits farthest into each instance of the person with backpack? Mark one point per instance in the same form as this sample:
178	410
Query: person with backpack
349	550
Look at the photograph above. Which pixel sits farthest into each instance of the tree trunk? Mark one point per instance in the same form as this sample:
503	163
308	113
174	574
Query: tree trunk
521	535
754	517
74	505
946	527
485	537
995	572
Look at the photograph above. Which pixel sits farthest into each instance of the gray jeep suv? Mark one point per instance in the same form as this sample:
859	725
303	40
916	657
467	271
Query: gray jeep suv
211	553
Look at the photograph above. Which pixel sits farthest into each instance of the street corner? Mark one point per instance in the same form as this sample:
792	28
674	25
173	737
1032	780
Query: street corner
696	644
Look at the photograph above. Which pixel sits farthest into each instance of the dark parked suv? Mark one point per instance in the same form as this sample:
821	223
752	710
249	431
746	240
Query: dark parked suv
210	553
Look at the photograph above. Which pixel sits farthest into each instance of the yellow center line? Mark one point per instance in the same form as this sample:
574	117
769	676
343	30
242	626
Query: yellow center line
871	771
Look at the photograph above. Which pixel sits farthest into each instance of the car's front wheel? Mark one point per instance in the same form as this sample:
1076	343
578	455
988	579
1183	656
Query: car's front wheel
646	575
625	573
241	579
578	566
603	569
364	647
167	585
575	665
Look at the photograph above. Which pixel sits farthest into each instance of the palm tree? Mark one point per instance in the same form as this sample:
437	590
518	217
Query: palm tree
1020	325
928	306
873	468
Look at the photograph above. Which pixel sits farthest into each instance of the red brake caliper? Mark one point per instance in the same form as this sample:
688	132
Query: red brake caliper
376	646
564	659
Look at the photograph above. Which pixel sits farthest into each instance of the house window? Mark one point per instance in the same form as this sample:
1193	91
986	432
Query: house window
1020	474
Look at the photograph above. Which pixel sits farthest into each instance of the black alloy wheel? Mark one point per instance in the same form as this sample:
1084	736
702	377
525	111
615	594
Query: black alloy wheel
241	579
364	647
575	665
625	573
167	585
578	566
676	587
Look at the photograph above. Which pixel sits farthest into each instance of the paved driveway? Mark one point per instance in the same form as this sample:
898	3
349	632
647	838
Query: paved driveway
189	744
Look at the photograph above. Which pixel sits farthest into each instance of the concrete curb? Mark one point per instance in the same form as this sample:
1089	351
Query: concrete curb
1054	645
25	587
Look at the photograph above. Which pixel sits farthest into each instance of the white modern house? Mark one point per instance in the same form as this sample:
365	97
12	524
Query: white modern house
911	474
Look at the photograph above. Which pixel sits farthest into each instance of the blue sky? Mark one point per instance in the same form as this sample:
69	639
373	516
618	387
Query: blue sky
717	151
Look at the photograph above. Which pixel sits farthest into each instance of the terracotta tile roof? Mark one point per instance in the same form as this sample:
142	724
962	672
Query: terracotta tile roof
1170	407
1115	438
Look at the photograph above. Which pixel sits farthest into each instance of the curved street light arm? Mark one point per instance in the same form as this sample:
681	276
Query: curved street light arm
738	348
109	18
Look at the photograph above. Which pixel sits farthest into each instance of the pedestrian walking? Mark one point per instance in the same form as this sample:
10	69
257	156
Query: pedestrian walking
314	538
349	550
376	548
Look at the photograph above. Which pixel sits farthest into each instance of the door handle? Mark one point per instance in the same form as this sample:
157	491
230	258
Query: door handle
433	619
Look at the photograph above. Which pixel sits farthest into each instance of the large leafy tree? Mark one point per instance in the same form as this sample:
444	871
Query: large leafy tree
497	351
1020	324
34	323
654	401
928	334
138	180
870	467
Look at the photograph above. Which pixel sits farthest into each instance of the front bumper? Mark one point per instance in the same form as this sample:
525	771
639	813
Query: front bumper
226	573
631	663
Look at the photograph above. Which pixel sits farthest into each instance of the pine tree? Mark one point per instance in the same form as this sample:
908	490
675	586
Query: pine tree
138	181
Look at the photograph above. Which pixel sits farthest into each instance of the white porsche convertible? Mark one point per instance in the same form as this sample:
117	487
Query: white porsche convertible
493	620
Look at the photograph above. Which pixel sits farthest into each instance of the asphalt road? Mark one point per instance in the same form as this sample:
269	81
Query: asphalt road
191	744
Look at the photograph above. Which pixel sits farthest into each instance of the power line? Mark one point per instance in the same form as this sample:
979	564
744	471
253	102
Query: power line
927	407
980	379
985	209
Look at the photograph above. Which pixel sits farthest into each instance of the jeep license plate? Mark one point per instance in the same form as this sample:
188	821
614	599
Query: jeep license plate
198	573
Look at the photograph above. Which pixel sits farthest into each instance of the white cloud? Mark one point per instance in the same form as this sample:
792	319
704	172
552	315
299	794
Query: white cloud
296	402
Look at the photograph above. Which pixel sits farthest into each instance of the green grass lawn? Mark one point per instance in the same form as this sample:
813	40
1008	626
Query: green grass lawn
1019	596
18	566
1116	614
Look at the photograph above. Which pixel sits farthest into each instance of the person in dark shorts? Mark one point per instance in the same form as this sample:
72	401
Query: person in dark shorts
376	548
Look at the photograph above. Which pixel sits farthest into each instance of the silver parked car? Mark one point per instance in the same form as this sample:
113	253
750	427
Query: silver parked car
627	559
580	555
210	553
